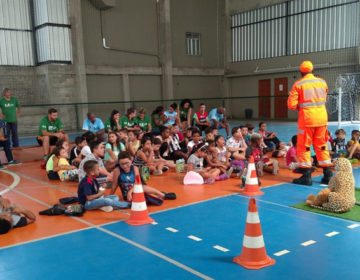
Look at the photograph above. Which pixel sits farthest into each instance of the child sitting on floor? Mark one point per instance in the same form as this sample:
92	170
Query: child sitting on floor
75	153
133	143
196	163
353	145
67	172
291	158
338	144
196	139
156	144
262	163
124	178
92	196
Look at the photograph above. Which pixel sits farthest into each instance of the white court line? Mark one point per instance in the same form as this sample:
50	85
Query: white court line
171	229
307	243
354	226
91	226
221	248
194	238
280	253
154	223
330	234
14	183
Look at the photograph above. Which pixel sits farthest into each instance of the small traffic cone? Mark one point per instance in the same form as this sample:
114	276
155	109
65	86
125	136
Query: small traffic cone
253	255
139	214
252	183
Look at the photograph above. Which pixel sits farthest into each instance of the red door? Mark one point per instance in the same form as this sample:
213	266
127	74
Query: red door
264	100
280	104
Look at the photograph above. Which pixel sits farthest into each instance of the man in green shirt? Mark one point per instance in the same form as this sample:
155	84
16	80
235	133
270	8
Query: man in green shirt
10	109
50	131
143	121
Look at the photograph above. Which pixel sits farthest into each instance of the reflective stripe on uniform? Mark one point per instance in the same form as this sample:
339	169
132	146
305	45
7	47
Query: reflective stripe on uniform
325	162
311	104
314	93
309	81
305	164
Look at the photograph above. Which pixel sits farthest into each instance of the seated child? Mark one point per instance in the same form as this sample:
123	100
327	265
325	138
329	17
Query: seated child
145	157
124	178
13	216
66	171
195	163
353	145
196	139
92	196
236	145
52	166
282	151
269	138
221	158
209	134
113	147
262	163
75	153
156	143
133	143
338	144
291	158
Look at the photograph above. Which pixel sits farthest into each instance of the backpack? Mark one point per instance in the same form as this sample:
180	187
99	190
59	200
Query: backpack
75	210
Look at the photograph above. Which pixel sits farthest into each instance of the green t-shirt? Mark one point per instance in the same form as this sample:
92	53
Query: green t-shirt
107	125
143	124
153	124
51	127
9	108
184	113
125	122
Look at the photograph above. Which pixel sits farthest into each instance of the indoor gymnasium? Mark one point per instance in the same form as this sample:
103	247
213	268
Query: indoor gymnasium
179	139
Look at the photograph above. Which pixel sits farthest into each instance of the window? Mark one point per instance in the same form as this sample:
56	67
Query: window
192	43
295	27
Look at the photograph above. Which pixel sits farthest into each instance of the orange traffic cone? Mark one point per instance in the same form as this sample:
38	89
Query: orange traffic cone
139	214
251	184
253	255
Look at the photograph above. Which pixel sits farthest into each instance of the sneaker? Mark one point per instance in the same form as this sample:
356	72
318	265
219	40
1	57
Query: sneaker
2	166
106	208
275	167
13	162
209	181
229	172
43	165
157	172
170	195
165	168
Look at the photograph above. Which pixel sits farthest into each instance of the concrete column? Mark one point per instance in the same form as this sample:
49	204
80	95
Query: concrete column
165	48
78	57
227	62
126	90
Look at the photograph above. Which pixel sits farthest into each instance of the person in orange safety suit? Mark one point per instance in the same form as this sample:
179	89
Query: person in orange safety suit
308	97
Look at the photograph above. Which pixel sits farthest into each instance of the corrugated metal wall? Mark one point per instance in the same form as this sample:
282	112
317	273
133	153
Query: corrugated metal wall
16	42
52	31
294	27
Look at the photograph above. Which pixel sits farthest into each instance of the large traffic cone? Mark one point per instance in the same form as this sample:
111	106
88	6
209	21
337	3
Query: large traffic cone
252	183
253	255
139	214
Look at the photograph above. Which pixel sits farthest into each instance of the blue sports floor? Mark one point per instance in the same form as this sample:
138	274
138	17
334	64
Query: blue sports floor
181	244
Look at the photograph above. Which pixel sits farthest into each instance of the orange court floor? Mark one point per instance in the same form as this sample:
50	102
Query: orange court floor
28	185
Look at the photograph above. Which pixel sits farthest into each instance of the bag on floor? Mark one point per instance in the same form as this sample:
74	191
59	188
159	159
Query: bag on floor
57	209
68	200
145	173
75	210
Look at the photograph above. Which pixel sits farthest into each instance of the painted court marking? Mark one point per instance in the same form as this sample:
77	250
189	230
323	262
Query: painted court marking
280	253
14	183
307	243
194	238
221	248
354	226
171	229
154	223
330	234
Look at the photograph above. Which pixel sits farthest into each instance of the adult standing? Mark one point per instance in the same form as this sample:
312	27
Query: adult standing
95	125
308	97
50	131
10	108
218	119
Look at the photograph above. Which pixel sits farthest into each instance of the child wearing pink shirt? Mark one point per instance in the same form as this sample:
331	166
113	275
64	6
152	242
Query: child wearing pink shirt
291	158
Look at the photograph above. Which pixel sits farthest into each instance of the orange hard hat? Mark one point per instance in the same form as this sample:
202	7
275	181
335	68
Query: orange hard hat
306	66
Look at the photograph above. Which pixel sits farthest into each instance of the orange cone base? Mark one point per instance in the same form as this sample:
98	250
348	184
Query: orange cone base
251	191
138	221
254	264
